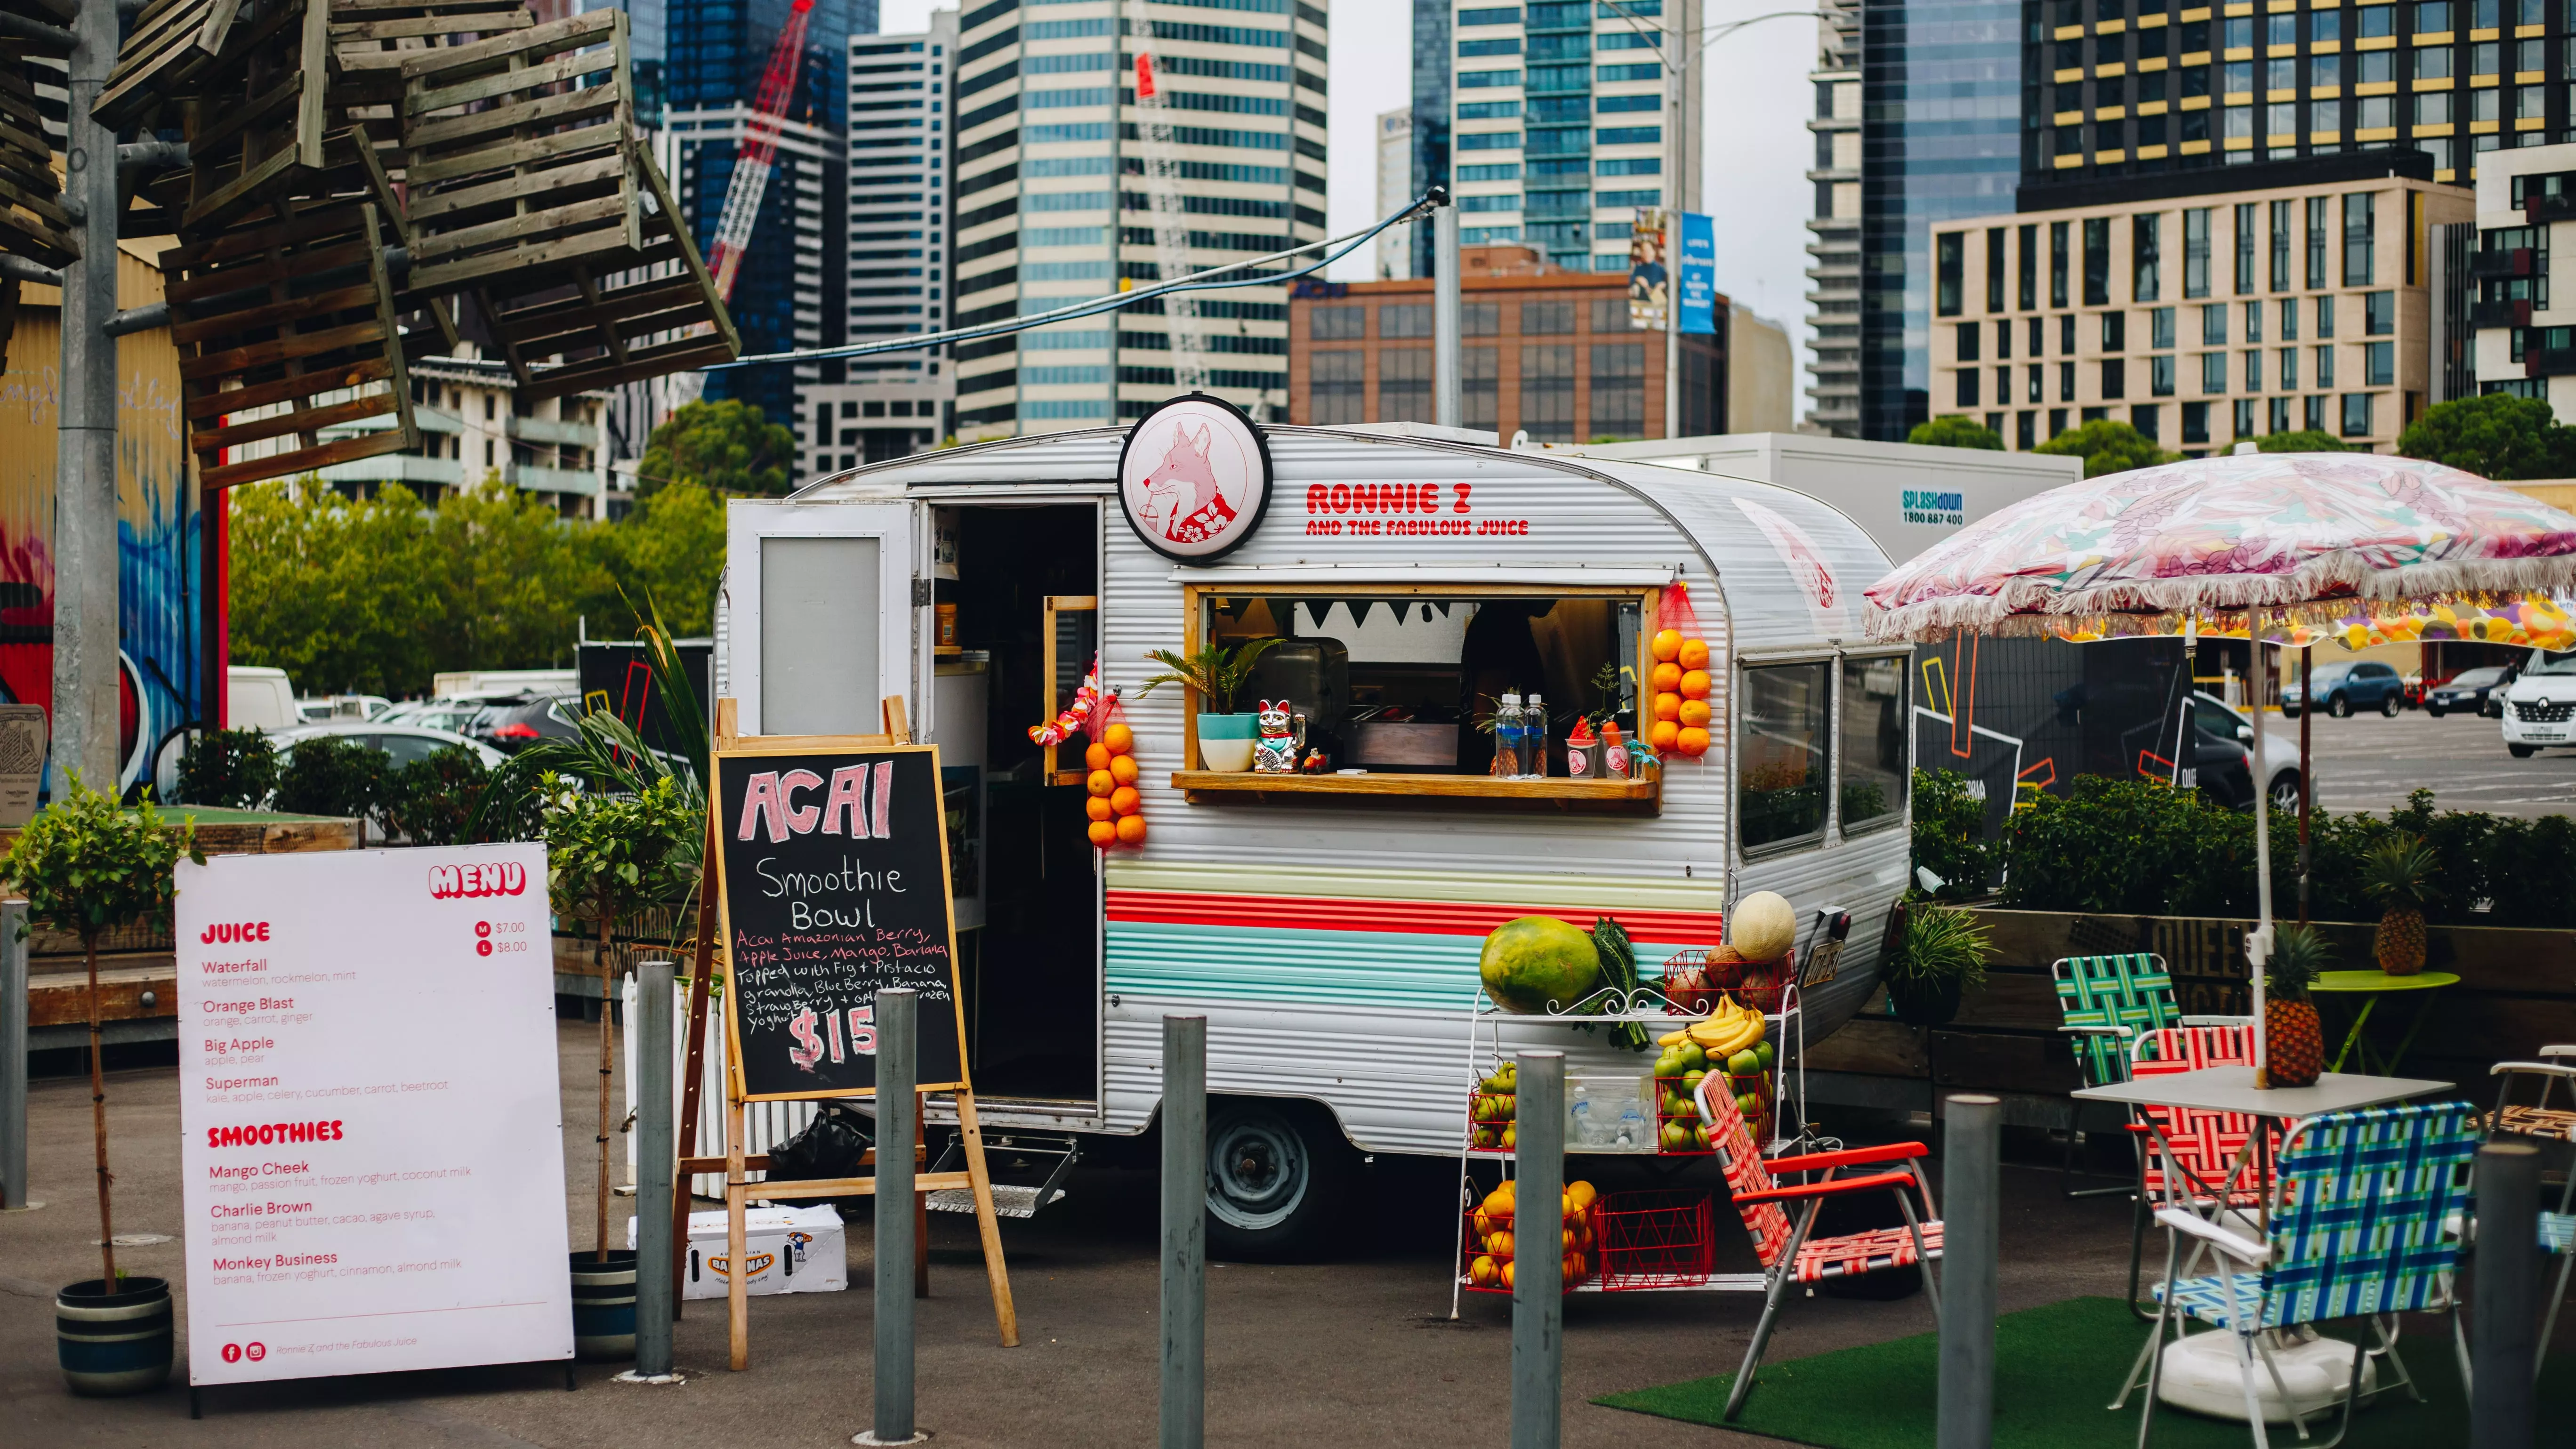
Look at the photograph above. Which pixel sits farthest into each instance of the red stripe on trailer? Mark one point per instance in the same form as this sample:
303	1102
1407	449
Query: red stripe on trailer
1418	918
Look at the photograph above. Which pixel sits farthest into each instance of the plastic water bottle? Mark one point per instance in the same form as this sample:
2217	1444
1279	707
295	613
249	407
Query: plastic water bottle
1579	1123
1507	737
1634	1135
1534	739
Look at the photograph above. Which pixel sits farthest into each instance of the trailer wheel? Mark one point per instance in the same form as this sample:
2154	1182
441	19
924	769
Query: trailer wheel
1277	1172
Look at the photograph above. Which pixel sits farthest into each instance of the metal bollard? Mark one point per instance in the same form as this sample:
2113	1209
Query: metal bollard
1970	1179
1185	1134
2507	1307
1538	1279
656	1164
898	1020
13	1056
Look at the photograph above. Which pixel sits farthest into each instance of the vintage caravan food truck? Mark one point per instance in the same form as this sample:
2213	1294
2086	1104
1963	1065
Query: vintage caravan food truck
1327	921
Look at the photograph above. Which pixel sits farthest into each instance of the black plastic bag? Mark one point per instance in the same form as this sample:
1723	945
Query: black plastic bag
829	1146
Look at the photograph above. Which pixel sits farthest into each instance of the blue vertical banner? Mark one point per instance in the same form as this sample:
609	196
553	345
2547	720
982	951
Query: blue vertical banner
1698	273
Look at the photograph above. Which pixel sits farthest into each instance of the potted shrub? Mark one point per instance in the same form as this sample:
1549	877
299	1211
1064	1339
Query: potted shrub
610	858
88	866
236	769
1216	674
1940	953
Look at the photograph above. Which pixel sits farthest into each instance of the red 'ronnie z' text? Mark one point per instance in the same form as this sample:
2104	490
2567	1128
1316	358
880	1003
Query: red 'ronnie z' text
859	803
269	1134
499	878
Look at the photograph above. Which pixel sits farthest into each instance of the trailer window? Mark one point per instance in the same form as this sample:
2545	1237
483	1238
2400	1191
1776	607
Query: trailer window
1408	683
1874	772
1780	776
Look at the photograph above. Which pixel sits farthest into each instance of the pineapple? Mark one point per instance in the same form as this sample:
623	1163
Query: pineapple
2399	872
2294	1048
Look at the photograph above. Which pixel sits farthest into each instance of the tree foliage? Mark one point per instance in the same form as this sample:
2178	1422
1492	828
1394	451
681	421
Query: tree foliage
229	768
2493	436
376	595
1955	432
728	446
612	856
89	866
2107	447
2306	440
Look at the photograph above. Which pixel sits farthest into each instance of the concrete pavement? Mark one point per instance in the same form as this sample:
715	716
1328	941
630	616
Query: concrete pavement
1355	1352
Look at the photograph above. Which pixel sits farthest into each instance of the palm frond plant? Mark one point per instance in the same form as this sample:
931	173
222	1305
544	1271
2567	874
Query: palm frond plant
89	866
1217	672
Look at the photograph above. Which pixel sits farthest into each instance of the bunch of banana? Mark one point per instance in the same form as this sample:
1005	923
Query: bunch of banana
1728	1029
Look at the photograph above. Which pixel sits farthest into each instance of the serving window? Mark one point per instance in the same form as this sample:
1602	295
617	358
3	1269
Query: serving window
1400	686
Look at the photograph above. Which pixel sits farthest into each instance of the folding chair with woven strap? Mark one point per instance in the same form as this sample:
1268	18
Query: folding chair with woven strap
2105	1003
2188	1157
2543	1123
2355	1230
1789	1251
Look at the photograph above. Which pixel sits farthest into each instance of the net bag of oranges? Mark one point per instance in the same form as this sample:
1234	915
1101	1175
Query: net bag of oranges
1116	806
1681	681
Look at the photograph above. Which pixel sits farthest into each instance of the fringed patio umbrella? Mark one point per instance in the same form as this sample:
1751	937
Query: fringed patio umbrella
2285	549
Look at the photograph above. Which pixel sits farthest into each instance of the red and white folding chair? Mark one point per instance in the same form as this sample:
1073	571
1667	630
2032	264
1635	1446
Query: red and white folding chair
1789	1250
2187	1157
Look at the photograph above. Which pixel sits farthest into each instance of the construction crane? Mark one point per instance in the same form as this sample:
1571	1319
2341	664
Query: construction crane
758	155
753	160
1163	195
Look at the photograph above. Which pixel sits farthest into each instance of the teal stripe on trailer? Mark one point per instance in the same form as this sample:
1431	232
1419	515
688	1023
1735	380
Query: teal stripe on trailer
1316	968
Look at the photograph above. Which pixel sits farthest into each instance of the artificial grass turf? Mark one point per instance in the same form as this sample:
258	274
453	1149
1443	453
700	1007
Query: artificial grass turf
2055	1370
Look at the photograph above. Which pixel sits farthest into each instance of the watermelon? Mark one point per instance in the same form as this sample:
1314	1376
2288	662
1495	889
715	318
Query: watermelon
1535	960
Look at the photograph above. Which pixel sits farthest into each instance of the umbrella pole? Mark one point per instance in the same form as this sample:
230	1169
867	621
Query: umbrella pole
2307	779
2259	947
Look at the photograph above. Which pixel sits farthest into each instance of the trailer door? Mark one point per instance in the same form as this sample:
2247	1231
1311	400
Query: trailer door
824	615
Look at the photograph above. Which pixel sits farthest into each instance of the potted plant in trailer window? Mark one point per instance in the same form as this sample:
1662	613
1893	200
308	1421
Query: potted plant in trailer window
90	867
1217	674
610	857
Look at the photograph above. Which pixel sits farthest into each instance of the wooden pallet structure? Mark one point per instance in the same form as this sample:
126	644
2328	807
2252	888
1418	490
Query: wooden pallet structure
286	329
529	189
171	43
33	222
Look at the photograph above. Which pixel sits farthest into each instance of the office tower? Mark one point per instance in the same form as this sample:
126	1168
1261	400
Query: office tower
1430	114
1054	202
788	292
893	404
1941	117
2204	308
1394	191
2498	273
1834	351
1560	127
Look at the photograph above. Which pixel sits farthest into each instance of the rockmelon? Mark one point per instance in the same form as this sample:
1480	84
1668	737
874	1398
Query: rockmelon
1765	926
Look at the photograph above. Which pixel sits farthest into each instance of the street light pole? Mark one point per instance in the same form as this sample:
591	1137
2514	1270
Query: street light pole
1676	152
86	562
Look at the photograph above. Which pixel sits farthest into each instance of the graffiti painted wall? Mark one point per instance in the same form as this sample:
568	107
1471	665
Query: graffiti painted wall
2020	716
158	587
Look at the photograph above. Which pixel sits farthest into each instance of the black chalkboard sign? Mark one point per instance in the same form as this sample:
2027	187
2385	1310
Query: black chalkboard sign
834	884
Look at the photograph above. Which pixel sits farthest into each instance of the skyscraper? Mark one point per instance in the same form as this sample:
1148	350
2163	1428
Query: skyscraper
1394	247
893	404
1834	350
1430	114
788	293
1560	129
1054	200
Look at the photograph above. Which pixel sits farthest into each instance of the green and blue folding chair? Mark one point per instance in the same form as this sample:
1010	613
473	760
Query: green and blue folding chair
2106	1003
2355	1230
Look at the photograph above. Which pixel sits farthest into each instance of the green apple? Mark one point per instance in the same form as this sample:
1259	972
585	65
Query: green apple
1765	1053
1750	1105
1693	1058
1676	1137
1691	1079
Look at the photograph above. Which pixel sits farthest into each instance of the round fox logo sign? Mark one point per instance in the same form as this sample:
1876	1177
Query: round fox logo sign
1194	478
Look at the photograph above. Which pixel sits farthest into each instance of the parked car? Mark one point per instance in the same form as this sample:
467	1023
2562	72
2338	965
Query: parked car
406	743
257	697
2539	706
2222	749
2470	691
511	725
446	711
317	708
2347	685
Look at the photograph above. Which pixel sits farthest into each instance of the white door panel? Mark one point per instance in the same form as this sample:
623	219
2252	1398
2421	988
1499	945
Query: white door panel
822	619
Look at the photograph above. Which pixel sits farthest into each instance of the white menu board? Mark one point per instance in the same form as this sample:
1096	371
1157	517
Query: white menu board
371	1129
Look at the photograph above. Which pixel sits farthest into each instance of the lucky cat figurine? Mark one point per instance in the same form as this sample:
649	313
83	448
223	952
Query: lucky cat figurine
1283	735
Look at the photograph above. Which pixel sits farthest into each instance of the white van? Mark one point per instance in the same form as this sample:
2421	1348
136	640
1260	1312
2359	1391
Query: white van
260	698
2540	704
1327	925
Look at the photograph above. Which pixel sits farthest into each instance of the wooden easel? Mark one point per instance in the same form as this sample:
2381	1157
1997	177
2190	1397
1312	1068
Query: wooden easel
735	1163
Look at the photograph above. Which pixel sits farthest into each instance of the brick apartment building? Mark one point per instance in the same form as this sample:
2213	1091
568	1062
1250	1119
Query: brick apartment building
1546	349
